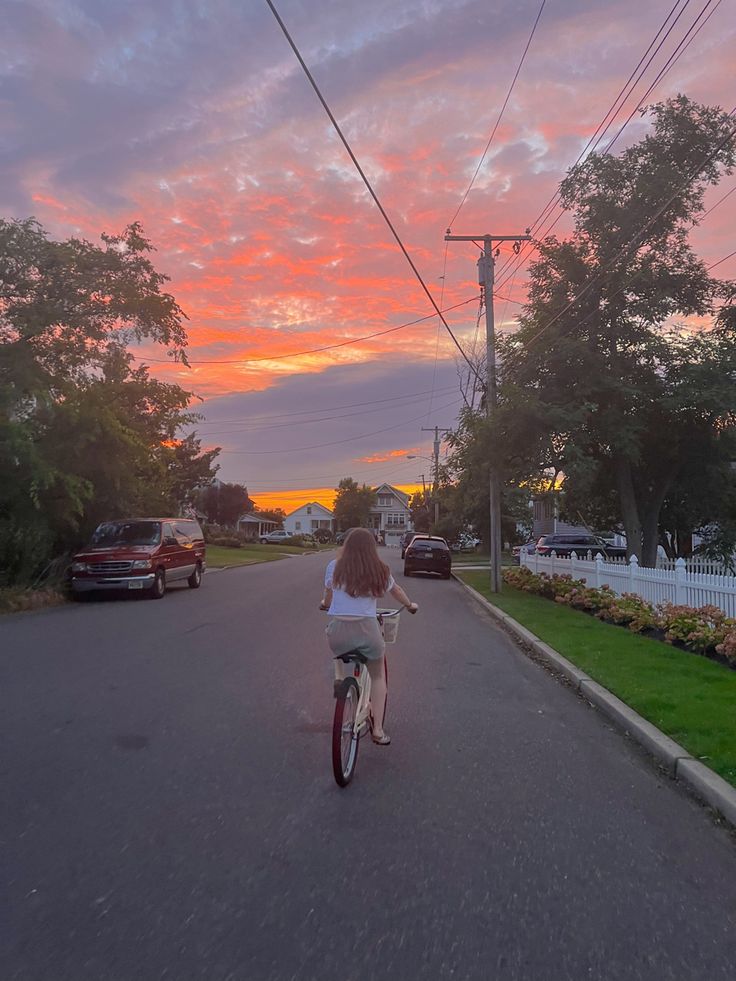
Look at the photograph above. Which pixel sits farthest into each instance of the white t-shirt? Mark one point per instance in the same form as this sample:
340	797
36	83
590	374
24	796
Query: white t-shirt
345	605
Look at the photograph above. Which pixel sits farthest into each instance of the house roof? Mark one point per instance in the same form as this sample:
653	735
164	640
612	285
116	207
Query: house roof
404	498
254	519
311	504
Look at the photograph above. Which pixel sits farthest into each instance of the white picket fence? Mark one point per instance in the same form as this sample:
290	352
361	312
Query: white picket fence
678	585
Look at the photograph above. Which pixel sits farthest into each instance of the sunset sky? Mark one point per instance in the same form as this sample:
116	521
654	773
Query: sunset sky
195	119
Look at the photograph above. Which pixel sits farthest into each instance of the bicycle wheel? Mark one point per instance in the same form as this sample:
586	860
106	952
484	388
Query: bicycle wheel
344	736
385	674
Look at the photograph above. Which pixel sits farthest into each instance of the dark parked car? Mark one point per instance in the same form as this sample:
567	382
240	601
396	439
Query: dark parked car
427	553
341	535
565	545
405	539
529	548
145	554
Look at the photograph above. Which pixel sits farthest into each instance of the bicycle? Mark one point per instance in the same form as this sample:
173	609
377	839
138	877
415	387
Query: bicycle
353	717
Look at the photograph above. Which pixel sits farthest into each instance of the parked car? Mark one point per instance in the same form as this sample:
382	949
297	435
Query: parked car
564	545
145	554
341	536
465	542
273	537
428	553
529	548
322	535
405	539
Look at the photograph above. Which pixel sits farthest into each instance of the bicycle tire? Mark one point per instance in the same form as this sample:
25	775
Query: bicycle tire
344	737
385	675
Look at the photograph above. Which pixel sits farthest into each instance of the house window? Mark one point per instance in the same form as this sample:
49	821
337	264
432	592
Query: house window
298	525
309	510
384	500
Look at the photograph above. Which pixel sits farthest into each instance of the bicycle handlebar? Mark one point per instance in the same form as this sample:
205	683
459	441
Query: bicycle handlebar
383	613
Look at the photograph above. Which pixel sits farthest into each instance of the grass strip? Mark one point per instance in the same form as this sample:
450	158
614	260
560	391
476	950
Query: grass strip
688	697
223	557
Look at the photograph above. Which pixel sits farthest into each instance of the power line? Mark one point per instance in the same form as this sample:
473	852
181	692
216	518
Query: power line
673	58
316	350
406	465
601	276
308	422
717	204
329	408
367	183
498	120
714	264
338	442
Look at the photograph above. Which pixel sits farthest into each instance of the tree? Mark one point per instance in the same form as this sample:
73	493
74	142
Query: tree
420	511
599	382
353	503
83	433
272	514
224	503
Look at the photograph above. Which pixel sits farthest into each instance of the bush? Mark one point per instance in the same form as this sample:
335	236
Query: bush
228	541
706	630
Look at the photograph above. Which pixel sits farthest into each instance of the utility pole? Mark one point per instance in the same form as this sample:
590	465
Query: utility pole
486	272
435	492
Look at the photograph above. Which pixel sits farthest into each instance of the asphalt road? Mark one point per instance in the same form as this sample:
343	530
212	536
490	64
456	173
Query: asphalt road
168	807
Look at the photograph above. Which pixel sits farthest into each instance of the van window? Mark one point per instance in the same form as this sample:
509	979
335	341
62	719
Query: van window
189	530
168	531
127	533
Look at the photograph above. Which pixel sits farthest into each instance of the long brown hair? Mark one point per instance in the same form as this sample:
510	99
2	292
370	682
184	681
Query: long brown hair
359	570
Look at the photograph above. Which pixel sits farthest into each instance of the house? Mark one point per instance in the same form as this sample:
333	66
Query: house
390	516
253	527
308	518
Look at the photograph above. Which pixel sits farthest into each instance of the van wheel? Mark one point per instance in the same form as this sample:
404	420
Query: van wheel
159	586
195	580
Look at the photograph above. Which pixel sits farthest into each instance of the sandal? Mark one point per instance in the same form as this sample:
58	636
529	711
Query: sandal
383	740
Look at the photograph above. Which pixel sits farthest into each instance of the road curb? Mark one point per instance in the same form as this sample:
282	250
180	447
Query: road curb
699	778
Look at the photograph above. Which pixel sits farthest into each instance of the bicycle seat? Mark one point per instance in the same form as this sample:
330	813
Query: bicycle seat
351	657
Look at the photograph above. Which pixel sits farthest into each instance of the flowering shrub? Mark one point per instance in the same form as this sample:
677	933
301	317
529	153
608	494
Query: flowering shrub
630	610
701	629
706	630
727	648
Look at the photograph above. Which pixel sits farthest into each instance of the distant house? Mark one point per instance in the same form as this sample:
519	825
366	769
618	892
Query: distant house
308	518
390	516
253	527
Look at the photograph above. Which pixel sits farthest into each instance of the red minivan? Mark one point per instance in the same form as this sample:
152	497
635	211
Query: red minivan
144	554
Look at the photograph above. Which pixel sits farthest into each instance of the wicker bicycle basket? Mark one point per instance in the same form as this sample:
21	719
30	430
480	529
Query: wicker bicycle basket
390	628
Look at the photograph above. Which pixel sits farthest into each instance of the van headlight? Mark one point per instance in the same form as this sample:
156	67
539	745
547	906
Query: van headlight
79	566
141	564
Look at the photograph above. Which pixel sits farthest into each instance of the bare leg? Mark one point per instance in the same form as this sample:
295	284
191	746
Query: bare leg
378	694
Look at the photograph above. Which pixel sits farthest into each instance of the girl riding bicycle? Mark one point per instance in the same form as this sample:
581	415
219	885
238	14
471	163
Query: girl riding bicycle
353	583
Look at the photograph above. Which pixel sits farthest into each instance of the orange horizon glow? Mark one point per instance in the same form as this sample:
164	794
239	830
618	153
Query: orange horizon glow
290	500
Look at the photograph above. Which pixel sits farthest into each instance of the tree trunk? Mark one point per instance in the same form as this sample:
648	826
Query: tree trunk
629	507
650	537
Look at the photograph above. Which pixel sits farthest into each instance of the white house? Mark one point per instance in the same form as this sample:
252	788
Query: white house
390	515
308	518
253	527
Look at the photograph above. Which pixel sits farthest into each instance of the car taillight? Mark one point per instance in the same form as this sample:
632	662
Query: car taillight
543	549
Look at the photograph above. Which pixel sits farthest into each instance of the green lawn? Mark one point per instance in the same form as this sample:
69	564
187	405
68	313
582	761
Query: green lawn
222	557
480	558
689	697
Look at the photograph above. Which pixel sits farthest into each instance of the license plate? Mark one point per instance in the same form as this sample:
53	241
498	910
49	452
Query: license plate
135	585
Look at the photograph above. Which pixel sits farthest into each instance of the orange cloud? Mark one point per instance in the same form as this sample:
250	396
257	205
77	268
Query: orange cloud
389	455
